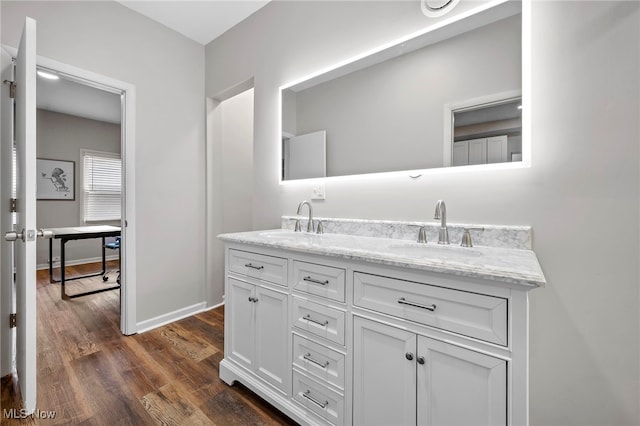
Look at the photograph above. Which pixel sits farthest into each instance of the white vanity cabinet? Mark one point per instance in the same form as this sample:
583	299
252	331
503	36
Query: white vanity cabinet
256	324
401	378
336	340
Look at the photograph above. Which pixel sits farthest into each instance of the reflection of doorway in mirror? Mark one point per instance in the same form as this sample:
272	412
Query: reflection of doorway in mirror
304	156
486	133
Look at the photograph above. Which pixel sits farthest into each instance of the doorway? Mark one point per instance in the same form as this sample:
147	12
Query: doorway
229	159
79	187
125	93
112	101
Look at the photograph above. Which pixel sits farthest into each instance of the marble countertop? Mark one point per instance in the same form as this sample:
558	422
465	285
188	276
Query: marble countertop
514	266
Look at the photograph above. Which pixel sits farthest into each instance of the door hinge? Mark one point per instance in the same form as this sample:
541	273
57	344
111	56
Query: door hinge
13	320
13	205
12	88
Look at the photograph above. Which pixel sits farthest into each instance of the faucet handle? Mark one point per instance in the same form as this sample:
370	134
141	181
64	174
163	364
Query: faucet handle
319	227
297	228
466	236
422	235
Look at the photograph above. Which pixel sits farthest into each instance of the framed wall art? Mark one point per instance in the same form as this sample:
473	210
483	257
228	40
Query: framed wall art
55	179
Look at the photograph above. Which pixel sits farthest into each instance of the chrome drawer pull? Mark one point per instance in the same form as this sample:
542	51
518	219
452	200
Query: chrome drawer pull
249	265
312	280
307	356
404	301
307	394
322	323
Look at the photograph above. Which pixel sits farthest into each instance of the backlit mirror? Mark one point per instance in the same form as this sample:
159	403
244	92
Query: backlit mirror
384	112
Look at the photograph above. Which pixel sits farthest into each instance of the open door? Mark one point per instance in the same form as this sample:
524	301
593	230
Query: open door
24	239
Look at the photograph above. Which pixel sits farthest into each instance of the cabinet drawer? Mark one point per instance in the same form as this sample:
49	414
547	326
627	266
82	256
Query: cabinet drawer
319	320
324	402
320	280
323	363
475	315
268	268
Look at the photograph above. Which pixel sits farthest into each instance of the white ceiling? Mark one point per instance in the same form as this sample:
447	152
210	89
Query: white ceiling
77	99
200	20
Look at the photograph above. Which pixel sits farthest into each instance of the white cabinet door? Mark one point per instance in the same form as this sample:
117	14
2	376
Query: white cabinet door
271	336
458	386
461	153
384	378
497	149
241	322
478	151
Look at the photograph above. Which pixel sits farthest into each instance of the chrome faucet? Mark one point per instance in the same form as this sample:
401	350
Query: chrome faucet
441	213
310	223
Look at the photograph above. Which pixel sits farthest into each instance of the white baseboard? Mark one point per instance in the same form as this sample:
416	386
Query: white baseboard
208	308
56	264
170	317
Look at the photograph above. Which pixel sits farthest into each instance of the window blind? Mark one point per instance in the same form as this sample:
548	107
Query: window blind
102	183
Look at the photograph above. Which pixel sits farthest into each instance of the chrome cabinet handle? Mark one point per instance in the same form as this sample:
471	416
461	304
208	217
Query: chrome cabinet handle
408	356
253	299
307	394
307	356
322	323
313	280
249	265
420	360
404	301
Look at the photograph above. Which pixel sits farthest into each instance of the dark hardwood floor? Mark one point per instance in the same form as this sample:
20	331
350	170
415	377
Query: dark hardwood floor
90	374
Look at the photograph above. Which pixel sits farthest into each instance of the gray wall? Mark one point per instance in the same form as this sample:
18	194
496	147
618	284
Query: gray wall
355	109
580	194
167	70
61	137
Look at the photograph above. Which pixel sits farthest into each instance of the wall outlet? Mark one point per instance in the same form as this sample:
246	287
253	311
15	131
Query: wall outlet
318	192
56	258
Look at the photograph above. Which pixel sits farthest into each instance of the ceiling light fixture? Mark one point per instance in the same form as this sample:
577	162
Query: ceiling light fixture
48	75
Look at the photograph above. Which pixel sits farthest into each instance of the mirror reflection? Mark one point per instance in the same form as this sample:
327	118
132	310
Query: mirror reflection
487	134
385	112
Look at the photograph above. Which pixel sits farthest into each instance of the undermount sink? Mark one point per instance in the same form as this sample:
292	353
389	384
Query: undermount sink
419	249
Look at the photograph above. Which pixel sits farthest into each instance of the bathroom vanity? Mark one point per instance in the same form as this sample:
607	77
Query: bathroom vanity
351	329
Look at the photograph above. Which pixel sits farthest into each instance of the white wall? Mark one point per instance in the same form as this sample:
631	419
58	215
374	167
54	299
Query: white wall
61	137
580	194
167	70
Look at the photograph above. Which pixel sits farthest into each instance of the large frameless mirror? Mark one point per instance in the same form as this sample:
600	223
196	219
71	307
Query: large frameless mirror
384	112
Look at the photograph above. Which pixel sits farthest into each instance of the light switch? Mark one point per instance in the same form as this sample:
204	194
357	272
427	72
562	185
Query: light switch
318	192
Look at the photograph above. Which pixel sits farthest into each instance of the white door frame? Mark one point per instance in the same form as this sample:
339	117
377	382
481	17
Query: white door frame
128	96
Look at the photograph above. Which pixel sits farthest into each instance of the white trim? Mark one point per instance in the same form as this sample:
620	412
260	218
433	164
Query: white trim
128	96
209	308
56	264
170	317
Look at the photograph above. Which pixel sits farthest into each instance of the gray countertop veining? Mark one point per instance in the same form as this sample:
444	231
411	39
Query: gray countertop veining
514	266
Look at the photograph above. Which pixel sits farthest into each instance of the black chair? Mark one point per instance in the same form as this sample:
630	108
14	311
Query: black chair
113	245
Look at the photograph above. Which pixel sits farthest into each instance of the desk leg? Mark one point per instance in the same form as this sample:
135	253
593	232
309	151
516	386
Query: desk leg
62	268
51	280
104	259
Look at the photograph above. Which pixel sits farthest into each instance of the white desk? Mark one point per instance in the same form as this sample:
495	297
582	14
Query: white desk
79	233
